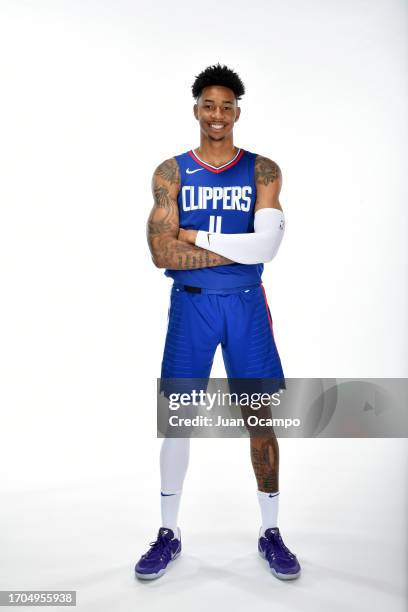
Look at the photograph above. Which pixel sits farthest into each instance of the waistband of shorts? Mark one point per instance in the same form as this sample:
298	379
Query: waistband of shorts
188	288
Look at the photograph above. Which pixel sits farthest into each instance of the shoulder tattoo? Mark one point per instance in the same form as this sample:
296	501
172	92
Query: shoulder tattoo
266	170
169	171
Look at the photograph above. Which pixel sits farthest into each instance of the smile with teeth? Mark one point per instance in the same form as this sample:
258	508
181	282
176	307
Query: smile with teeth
217	126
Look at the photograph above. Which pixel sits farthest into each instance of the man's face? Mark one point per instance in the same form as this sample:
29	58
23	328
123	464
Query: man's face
216	111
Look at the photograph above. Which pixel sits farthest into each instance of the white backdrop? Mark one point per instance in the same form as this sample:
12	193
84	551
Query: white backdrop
94	96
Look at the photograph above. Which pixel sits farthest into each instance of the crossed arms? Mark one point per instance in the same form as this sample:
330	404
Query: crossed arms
167	249
174	248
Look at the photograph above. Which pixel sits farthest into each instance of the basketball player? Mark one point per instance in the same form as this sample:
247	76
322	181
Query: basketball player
215	221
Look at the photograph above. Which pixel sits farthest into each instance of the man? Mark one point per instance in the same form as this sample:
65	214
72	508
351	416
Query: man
216	219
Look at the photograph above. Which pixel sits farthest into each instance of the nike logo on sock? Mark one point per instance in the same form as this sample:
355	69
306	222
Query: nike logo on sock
167	494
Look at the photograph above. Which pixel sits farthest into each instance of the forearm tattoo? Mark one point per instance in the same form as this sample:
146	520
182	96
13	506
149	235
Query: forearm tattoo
163	226
266	170
265	461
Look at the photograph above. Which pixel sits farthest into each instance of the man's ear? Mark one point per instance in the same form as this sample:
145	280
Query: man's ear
195	111
238	113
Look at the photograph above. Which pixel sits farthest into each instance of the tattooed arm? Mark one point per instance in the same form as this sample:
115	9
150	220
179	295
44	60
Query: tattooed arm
268	179
163	226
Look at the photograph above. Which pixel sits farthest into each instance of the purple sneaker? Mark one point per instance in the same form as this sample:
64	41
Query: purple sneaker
282	562
165	549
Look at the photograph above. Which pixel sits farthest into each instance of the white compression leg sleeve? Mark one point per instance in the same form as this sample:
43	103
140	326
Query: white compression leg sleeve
174	457
255	247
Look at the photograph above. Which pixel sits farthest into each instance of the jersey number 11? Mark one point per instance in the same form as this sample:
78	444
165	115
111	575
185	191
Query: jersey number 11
215	224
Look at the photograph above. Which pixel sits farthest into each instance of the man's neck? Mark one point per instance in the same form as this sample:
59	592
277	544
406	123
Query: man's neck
216	152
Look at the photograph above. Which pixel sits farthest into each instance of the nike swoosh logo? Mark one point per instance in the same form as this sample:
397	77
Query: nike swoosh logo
167	494
192	171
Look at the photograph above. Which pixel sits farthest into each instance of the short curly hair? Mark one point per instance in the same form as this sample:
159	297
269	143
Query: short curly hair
218	75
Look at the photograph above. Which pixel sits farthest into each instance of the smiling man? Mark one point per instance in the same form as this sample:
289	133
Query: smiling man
215	221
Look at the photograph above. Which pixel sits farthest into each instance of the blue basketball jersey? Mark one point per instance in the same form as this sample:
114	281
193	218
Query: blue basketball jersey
218	200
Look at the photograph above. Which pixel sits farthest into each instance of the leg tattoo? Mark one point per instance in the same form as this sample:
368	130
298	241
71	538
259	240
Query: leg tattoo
265	461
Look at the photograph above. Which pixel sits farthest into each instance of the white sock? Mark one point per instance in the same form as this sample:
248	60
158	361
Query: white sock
170	503
174	458
269	504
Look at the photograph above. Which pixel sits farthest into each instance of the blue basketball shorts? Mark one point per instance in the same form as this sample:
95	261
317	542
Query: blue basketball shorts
238	319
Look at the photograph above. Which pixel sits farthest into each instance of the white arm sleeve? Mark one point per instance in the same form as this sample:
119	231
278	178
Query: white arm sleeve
259	246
